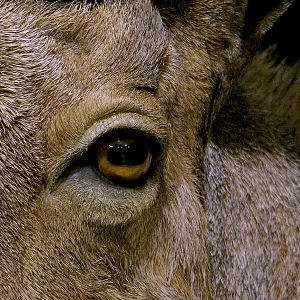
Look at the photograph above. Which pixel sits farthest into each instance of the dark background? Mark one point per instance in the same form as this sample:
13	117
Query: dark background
285	32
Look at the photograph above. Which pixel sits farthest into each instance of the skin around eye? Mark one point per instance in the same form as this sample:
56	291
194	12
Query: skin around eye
124	160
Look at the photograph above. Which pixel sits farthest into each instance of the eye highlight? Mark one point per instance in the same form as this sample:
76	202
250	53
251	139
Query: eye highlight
124	160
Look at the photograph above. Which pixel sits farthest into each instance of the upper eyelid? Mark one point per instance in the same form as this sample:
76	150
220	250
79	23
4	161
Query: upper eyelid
71	123
126	133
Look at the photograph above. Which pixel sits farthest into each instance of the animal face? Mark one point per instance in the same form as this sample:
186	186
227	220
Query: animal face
117	173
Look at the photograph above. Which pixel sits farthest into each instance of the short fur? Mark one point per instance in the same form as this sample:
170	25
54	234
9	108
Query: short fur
219	216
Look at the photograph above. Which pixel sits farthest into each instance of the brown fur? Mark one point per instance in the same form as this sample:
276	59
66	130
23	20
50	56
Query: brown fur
218	218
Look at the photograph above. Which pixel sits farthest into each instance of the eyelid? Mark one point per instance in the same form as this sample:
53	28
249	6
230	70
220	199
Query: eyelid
125	121
69	124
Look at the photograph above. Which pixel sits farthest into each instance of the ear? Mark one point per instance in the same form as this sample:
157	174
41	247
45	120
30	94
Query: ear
259	17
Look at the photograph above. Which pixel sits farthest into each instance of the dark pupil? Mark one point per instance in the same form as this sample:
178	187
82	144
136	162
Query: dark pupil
127	154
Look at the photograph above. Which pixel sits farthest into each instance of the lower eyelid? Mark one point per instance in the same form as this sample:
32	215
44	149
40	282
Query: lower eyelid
100	200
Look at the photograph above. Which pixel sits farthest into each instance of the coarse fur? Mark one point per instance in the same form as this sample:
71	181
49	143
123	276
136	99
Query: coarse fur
218	218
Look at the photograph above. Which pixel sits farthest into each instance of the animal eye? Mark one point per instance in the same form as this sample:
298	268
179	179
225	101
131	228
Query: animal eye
124	160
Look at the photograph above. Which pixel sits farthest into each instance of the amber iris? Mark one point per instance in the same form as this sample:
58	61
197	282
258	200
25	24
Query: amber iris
124	160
